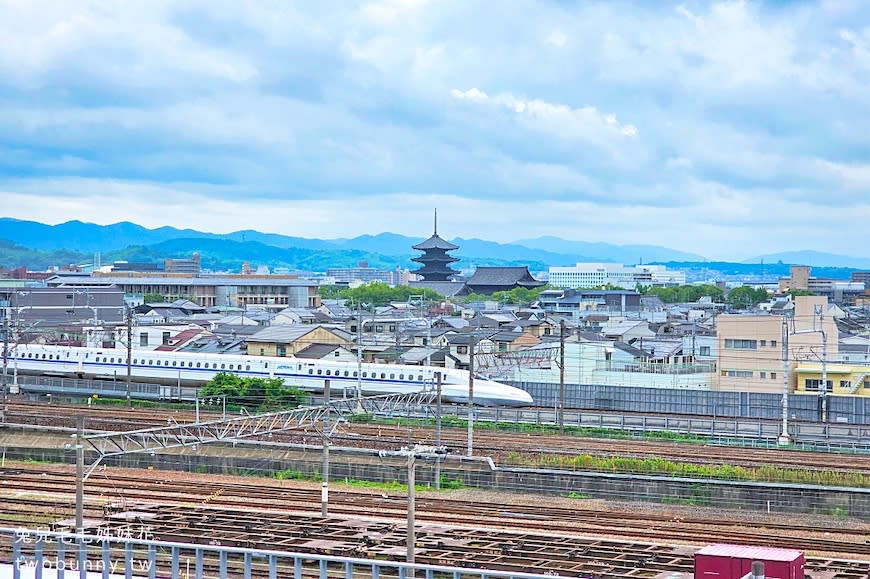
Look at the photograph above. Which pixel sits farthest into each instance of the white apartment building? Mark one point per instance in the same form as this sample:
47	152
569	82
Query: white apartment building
589	275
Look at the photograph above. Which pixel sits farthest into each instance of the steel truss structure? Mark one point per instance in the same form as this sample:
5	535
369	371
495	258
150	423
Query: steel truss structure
178	435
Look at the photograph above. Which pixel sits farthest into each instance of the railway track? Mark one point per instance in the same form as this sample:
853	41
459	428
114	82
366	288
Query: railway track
502	446
572	540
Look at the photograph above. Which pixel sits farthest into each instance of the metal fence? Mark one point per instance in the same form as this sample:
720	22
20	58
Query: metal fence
841	409
33	553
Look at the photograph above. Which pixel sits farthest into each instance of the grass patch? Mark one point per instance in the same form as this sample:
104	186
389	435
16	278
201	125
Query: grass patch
531	428
665	467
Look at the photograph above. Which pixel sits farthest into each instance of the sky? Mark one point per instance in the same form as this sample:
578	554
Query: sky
726	129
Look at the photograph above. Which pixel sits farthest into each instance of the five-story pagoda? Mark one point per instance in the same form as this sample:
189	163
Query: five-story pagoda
435	261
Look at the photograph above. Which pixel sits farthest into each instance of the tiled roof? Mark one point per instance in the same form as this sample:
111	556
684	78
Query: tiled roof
499	276
435	242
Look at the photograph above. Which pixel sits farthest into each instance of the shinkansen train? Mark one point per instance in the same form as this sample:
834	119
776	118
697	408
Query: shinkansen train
186	368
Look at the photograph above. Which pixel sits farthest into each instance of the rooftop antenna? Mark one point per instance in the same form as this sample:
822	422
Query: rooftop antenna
436	221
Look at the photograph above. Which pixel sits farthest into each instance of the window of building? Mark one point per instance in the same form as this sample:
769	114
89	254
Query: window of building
773	375
166	336
813	384
262	352
773	343
762	374
704	351
762	343
737	373
143	339
282	350
461	349
845	384
735	344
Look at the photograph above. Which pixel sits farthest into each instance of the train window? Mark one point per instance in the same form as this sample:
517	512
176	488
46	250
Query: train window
134	360
173	362
383	375
43	356
51	357
420	377
222	367
346	372
189	364
199	364
354	374
311	370
266	365
392	376
365	374
319	372
247	367
328	372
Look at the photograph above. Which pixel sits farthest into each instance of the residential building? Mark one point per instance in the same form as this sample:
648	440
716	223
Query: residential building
591	275
750	346
273	292
362	273
838	291
190	266
576	302
288	339
48	307
842	378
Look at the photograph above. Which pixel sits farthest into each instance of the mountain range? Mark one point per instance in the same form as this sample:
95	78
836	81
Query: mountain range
39	245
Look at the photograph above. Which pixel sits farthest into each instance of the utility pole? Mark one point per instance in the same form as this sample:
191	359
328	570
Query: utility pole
5	364
471	395
562	377
324	487
438	429
411	540
80	474
130	354
784	438
823	387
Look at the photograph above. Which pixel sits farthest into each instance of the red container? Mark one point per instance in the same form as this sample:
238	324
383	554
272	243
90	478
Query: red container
735	561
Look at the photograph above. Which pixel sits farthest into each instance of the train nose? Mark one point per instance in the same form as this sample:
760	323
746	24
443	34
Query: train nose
495	393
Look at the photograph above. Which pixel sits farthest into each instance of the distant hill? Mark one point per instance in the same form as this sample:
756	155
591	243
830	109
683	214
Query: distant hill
814	258
606	252
90	238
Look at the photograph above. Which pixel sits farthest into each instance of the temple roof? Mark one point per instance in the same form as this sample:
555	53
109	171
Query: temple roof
435	242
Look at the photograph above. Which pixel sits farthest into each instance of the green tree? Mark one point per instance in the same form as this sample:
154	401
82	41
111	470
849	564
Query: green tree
746	296
379	294
153	298
683	293
799	292
262	394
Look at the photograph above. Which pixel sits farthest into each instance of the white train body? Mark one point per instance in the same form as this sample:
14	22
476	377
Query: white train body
195	368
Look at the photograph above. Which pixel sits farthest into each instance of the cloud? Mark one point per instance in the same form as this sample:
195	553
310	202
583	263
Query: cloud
557	119
713	127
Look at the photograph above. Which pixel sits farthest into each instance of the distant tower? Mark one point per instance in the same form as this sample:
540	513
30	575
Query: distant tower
435	261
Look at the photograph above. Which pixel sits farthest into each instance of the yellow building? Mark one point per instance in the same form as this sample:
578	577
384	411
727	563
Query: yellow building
287	340
843	379
750	346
